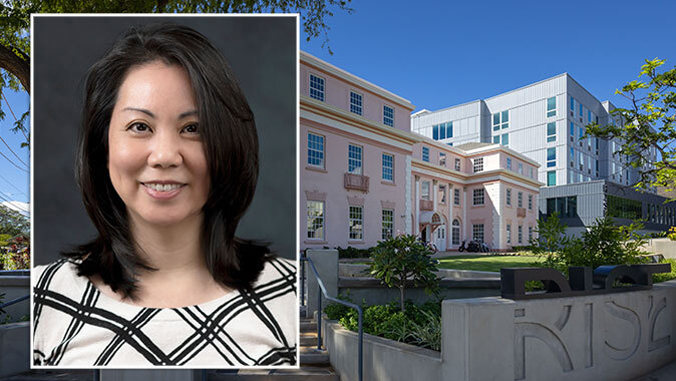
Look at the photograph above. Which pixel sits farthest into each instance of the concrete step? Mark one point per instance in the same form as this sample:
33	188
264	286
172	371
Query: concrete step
302	310
313	356
308	325
308	339
305	373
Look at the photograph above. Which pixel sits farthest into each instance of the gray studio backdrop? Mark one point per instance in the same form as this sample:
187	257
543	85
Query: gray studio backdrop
261	50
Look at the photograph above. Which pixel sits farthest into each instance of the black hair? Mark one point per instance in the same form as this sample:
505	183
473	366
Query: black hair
228	132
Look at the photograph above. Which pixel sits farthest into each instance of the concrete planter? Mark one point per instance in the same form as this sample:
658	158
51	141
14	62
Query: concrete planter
14	348
15	284
383	359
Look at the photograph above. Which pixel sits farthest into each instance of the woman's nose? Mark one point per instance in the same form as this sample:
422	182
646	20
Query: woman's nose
165	151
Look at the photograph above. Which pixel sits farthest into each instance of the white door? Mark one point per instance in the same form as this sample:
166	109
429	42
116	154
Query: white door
440	238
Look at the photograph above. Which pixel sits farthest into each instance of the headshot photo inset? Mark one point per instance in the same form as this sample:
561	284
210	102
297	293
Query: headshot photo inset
164	191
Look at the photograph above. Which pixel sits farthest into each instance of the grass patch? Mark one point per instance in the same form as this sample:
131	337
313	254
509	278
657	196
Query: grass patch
486	262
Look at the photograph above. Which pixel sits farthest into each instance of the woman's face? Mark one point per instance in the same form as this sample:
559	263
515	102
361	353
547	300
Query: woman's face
156	159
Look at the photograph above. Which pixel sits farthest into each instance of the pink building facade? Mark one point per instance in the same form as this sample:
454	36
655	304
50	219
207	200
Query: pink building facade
364	176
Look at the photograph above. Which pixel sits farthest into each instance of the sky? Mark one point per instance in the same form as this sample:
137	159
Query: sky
440	53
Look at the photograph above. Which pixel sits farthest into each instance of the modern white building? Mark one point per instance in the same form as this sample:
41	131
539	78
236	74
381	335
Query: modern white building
543	121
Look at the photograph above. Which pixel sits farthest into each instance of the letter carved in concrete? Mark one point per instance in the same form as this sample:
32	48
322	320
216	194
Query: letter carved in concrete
654	312
546	335
628	315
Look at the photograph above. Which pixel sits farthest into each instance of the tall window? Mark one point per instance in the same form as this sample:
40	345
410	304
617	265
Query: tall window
315	219
356	102
505	140
388	116
551	178
551	106
572	157
520	234
519	200
425	192
530	202
508	197
442	159
315	150
478	232
572	105
388	167
500	120
457	164
456	196
580	107
356	214
520	170
509	163
354	159
478	196
426	154
478	164
455	233
509	233
551	132
572	131
530	233
442	194
551	157
316	87
387	219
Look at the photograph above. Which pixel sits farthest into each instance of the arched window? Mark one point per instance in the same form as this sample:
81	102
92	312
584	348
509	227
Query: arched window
455	232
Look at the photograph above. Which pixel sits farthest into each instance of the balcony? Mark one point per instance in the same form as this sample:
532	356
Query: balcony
521	212
426	205
356	182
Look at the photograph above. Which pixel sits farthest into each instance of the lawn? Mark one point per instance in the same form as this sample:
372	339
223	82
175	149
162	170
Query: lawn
485	262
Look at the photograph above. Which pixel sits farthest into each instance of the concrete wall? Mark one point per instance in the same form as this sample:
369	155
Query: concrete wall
14	348
663	246
15	287
602	337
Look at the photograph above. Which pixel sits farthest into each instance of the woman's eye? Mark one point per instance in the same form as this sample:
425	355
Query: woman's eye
191	129
139	127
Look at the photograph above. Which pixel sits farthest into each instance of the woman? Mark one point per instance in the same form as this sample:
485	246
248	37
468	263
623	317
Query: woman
167	165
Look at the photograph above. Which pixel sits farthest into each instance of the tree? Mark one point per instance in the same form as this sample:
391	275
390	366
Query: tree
646	127
401	258
12	222
15	25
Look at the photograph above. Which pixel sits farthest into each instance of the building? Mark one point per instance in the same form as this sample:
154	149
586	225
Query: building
579	205
544	121
365	177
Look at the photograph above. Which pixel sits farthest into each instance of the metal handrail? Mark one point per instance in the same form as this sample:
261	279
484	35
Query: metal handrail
15	301
322	290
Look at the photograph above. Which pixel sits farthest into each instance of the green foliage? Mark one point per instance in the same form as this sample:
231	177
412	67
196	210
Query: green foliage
13	222
663	277
353	252
647	126
602	244
417	325
15	260
672	233
401	258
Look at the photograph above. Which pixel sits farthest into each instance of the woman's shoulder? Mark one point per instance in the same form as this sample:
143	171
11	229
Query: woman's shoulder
277	269
62	273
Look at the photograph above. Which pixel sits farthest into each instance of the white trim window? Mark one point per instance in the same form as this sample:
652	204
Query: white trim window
519	199
478	164
551	132
520	234
388	167
508	197
509	234
356	221
478	196
500	120
457	164
442	159
456	196
551	157
315	220
388	115
442	193
509	163
478	232
356	103
425	190
530	202
354	159
425	154
315	150
317	87
387	220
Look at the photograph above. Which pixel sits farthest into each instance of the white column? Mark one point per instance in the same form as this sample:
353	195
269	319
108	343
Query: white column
434	195
464	205
408	223
416	212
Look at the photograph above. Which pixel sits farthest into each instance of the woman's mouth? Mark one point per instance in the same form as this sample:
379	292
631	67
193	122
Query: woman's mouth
163	190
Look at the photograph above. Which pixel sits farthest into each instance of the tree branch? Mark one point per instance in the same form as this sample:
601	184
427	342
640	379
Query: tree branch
18	67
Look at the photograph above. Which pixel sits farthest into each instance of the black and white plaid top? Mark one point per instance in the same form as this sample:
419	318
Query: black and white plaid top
76	325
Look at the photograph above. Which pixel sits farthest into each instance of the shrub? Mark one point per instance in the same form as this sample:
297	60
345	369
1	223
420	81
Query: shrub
603	244
353	252
663	277
401	258
672	233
